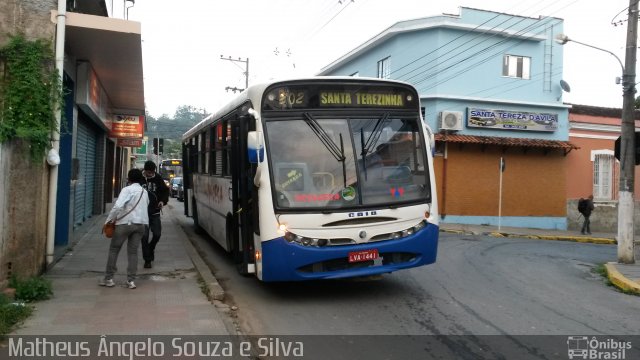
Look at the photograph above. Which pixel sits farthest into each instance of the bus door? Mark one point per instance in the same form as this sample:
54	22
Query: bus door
242	186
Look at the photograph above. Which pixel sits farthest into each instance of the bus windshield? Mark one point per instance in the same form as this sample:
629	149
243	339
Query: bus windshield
346	162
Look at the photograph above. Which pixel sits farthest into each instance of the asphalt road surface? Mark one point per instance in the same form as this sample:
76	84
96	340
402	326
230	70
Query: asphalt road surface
479	286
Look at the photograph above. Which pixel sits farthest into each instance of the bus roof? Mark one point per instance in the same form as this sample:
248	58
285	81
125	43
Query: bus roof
254	94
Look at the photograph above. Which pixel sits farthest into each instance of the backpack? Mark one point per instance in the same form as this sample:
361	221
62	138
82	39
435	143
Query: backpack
582	205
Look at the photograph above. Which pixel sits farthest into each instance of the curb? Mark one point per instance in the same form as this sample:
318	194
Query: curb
214	290
579	239
619	280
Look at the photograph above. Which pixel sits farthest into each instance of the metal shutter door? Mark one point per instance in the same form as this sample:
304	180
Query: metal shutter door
86	155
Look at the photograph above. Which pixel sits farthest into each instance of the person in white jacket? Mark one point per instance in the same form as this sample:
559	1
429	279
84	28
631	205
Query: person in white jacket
131	216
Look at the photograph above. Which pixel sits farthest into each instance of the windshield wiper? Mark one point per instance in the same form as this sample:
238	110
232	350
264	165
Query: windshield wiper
372	140
329	144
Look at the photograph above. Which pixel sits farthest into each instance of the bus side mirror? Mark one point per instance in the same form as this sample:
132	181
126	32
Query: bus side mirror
255	148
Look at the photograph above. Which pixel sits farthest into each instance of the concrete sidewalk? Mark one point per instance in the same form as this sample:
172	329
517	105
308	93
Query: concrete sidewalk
625	277
168	300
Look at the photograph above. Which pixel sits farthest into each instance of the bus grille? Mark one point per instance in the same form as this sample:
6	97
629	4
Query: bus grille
342	264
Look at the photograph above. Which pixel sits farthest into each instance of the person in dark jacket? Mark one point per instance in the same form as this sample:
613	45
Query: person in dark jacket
585	209
158	197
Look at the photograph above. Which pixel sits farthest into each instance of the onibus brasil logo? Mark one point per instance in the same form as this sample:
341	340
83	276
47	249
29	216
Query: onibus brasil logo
581	347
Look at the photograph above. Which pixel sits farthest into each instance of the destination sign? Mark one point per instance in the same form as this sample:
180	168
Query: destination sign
342	96
328	98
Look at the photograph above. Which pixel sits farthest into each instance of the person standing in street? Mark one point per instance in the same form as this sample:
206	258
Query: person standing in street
131	219
158	197
585	207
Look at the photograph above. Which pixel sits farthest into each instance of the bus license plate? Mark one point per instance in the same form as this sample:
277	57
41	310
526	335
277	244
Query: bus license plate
364	255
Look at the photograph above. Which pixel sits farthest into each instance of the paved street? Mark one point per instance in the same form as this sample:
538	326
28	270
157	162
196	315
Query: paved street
480	285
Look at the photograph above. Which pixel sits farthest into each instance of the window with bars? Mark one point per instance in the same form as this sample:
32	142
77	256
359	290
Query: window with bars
384	68
516	66
603	175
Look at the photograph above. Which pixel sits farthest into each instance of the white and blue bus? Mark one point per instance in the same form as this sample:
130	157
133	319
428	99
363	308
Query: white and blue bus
317	178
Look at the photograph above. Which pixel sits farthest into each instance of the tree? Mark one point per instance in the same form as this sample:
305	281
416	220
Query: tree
168	128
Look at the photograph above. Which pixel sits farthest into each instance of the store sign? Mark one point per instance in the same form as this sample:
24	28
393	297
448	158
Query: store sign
90	95
511	120
134	143
127	126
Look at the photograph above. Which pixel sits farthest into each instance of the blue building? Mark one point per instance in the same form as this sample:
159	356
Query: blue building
490	87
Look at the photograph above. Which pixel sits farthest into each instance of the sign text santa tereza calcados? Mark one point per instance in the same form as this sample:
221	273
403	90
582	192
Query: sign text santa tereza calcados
511	120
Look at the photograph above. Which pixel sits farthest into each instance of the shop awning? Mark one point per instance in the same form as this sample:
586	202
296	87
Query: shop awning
114	49
506	141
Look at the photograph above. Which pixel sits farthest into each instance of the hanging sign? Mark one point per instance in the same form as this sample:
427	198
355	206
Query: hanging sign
134	143
127	126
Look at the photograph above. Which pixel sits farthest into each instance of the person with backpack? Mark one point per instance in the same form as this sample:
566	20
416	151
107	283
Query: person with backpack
585	207
158	197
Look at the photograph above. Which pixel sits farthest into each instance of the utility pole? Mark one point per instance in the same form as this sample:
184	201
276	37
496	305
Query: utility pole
246	72
627	143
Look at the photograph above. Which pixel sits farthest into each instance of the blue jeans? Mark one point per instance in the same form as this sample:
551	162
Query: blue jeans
132	234
149	247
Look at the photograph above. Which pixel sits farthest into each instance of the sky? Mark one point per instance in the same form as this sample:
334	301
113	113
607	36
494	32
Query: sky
182	42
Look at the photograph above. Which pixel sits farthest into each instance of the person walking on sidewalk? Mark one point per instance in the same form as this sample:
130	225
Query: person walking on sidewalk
585	207
158	197
131	218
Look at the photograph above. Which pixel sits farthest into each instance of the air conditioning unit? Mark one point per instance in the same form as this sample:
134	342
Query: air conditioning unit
450	120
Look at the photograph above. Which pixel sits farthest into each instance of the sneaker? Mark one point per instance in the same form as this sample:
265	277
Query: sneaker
147	264
107	283
131	285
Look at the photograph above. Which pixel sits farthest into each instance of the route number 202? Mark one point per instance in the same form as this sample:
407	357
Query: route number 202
291	99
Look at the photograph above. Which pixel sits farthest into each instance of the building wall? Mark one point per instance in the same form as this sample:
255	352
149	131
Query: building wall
29	17
593	129
533	186
23	211
23	204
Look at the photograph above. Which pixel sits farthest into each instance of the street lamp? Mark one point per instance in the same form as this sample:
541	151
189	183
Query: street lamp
563	39
126	15
627	137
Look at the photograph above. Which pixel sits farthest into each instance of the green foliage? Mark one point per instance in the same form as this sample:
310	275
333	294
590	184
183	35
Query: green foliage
601	270
31	289
172	128
11	314
30	93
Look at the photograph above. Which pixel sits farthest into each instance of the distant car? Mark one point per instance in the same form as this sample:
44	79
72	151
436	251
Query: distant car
175	183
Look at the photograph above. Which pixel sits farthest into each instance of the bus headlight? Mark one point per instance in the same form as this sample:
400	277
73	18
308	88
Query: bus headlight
303	240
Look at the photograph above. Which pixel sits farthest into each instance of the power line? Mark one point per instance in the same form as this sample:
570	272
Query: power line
464	61
529	28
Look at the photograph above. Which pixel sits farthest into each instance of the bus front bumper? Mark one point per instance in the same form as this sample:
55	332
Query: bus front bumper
285	261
